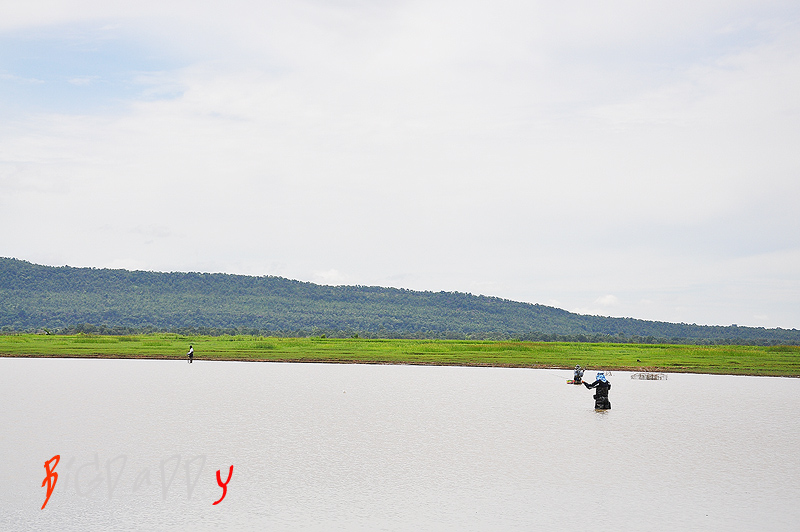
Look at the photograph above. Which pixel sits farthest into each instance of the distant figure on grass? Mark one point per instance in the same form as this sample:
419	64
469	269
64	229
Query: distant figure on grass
578	375
190	354
601	401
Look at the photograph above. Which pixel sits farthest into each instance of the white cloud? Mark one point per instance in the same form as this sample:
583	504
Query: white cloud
330	277
20	80
535	151
607	300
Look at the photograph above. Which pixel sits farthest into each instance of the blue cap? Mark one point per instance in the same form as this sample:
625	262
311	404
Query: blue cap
601	376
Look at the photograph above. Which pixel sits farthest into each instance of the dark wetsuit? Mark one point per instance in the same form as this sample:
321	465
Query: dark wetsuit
601	401
578	376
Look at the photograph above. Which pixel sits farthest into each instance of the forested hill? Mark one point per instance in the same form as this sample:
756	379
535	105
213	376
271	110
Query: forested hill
66	299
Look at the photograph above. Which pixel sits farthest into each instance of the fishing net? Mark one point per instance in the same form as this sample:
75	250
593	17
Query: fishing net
649	376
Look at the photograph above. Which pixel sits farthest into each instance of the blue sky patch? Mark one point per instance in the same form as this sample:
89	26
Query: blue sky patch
78	70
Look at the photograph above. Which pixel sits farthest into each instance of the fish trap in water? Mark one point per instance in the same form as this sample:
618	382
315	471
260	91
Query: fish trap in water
649	376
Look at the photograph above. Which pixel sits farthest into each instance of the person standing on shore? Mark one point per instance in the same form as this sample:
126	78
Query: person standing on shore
190	354
601	401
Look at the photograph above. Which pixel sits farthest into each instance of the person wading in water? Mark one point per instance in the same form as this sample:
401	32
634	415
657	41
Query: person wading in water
190	354
601	401
578	375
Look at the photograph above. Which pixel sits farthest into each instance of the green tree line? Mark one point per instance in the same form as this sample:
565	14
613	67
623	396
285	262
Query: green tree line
105	301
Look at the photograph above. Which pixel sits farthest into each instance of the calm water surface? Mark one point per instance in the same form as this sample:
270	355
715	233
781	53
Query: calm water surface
360	447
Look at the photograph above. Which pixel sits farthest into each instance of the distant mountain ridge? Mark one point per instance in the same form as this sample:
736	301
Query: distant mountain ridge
67	299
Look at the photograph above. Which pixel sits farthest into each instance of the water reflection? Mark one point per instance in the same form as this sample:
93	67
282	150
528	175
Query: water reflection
354	447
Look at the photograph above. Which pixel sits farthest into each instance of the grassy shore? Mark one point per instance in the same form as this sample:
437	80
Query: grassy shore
732	360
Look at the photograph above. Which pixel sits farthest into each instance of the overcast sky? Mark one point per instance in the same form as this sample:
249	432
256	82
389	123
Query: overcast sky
621	158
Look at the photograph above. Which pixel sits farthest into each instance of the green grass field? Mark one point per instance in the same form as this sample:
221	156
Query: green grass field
733	360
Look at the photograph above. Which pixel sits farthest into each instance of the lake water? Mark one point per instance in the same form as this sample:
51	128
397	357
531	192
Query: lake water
369	447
